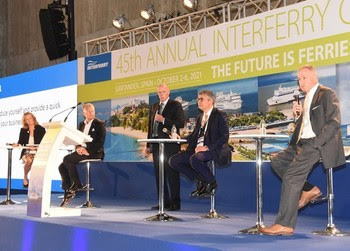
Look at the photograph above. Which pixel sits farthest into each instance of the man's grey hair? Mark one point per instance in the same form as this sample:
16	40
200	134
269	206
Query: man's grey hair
86	105
208	93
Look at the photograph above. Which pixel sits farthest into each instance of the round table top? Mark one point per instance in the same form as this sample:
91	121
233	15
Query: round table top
259	136
18	147
162	140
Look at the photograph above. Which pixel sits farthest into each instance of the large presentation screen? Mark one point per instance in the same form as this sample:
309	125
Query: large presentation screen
44	92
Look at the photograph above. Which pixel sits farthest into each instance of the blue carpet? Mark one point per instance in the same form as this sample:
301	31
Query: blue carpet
120	225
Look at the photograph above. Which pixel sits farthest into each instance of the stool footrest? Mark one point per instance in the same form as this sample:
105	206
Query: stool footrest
320	199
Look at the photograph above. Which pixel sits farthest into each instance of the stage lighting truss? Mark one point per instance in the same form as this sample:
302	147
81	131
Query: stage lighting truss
178	25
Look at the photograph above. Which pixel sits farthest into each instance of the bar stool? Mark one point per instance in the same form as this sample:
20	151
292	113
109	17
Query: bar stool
87	188
213	214
331	229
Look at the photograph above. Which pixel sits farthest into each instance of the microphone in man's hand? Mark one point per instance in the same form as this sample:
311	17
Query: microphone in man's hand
297	99
71	111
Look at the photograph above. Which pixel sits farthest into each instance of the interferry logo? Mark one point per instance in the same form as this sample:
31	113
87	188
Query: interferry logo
98	68
92	65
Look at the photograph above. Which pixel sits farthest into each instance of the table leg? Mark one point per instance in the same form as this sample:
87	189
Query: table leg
8	200
259	193
161	216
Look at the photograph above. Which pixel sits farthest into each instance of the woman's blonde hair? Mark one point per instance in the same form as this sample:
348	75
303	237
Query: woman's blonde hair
24	124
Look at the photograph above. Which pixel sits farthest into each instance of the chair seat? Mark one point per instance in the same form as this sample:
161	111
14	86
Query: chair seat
89	160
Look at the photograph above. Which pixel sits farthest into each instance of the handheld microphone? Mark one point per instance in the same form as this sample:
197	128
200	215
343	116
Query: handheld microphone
72	108
297	99
175	136
157	112
165	130
64	111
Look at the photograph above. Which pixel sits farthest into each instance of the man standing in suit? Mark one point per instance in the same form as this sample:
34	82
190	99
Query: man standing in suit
163	115
317	135
208	141
90	150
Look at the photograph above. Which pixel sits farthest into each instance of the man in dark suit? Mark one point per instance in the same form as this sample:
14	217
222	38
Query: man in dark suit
163	115
91	150
317	135
208	141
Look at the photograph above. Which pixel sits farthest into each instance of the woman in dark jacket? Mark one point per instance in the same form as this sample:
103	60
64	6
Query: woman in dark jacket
31	134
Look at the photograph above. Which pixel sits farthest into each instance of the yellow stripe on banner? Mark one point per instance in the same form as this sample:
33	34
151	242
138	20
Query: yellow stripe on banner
319	52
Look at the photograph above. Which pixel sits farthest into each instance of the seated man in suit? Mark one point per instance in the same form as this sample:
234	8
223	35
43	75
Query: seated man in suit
91	150
208	141
317	135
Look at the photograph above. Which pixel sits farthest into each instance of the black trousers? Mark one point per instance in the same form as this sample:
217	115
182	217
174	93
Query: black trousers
171	177
193	165
68	169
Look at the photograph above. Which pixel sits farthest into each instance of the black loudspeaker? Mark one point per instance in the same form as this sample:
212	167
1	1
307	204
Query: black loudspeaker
54	33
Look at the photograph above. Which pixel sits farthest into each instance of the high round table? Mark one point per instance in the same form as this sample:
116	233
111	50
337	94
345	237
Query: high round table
259	138
161	216
9	148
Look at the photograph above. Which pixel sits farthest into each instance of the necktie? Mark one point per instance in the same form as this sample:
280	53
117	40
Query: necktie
204	120
200	140
156	123
161	107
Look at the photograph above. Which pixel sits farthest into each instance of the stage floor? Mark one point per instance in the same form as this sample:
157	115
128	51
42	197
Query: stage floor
120	225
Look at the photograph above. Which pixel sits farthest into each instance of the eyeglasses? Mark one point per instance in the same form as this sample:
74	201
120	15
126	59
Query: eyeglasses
202	99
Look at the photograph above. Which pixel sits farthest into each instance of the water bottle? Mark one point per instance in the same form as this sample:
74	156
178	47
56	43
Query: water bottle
262	127
173	132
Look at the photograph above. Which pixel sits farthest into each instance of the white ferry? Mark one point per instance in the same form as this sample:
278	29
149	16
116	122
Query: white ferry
228	101
184	103
284	95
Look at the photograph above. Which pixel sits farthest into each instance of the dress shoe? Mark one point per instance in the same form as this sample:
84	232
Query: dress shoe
276	229
209	189
76	187
68	195
166	206
307	196
200	187
174	207
26	185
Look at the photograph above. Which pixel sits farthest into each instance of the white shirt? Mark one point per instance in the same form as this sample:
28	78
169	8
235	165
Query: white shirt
200	141
87	129
31	140
307	128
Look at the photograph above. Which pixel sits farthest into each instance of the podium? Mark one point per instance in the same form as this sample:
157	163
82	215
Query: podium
45	161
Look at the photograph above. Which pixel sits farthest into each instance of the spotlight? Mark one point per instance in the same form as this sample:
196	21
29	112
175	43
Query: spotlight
191	5
148	13
119	22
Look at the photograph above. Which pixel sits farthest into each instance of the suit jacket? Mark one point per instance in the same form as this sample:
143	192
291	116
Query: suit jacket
98	134
215	138
173	114
39	133
325	122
